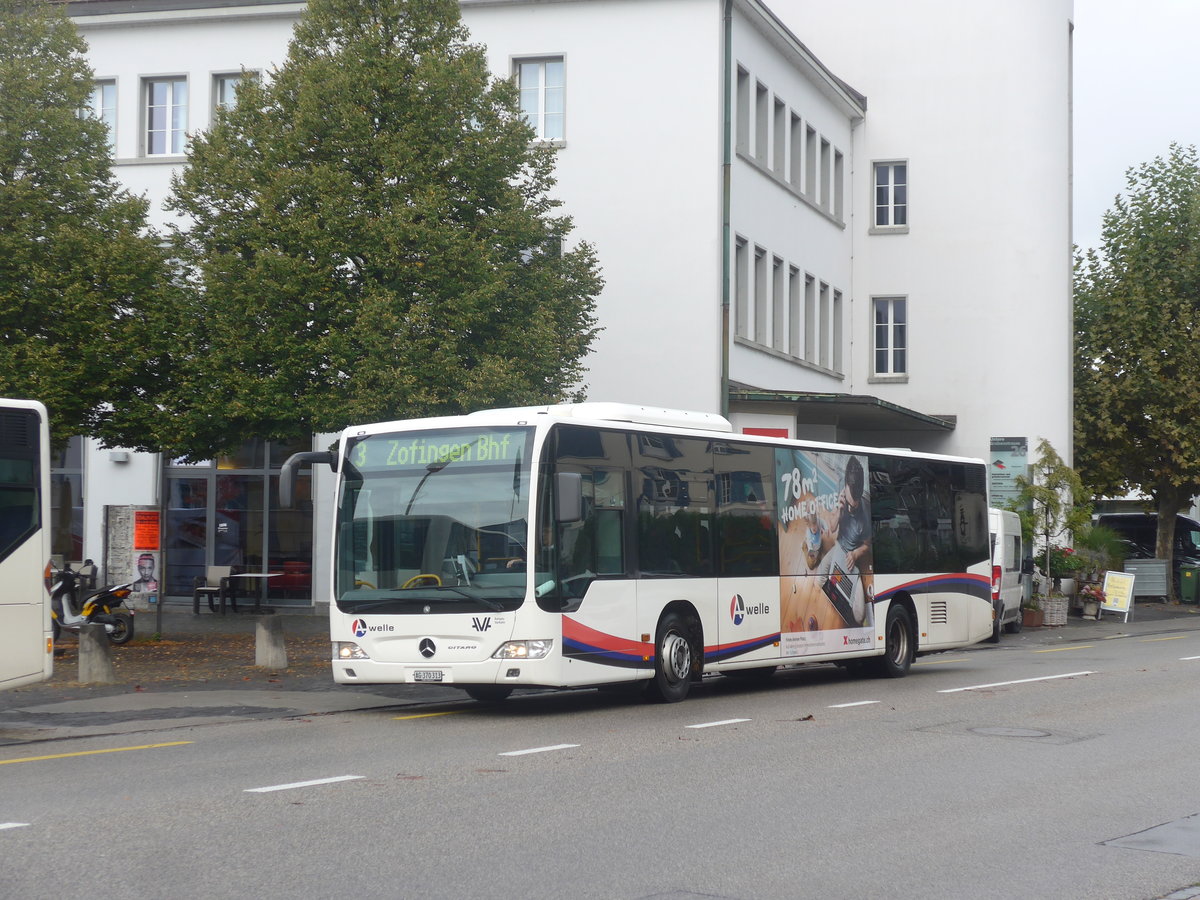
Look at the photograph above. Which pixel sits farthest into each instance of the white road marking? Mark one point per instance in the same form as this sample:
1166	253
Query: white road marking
539	750
300	784
1185	658
859	703
4	825
980	687
715	724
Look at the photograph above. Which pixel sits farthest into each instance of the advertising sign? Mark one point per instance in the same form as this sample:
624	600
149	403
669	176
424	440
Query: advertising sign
824	528
1118	593
145	529
1010	458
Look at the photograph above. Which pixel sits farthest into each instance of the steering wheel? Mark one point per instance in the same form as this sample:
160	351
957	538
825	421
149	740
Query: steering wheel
424	576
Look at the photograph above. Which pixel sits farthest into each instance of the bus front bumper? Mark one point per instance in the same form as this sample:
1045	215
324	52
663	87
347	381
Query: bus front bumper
543	672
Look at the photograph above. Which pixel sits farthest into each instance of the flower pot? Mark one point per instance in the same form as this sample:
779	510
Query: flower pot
1055	610
1031	618
1091	609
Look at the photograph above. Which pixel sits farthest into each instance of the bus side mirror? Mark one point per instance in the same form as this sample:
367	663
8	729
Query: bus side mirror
568	497
287	474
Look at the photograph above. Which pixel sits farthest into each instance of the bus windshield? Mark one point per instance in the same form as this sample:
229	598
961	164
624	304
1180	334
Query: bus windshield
434	521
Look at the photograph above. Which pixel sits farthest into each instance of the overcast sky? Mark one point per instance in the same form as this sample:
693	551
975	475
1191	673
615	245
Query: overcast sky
1137	89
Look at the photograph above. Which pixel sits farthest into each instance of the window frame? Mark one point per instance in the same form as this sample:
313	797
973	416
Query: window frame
97	109
891	206
543	88
218	83
896	346
171	130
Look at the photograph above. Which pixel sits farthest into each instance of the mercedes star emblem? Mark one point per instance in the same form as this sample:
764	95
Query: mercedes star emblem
427	648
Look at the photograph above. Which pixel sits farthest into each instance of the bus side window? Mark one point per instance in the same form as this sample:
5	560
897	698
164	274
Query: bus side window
747	541
675	506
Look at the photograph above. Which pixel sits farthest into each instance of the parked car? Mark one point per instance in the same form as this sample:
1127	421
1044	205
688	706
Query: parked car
1006	571
1139	531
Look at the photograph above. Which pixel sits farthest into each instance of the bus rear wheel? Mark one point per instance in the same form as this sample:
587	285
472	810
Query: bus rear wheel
899	644
674	659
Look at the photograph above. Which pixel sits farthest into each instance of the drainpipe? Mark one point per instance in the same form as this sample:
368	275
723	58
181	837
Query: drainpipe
726	167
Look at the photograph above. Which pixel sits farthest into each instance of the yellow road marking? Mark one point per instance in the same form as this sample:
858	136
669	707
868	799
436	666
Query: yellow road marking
939	662
1060	649
449	712
1174	637
5	762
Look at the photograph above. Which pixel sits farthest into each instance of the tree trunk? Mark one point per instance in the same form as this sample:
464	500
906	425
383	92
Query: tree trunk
1170	502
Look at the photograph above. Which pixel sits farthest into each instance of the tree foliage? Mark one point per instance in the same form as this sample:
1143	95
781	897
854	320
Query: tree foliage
369	235
77	269
1050	502
1137	370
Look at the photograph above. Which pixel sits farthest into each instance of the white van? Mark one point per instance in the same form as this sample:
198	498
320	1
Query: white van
1006	571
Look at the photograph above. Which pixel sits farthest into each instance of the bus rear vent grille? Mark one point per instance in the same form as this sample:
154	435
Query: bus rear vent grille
937	613
18	429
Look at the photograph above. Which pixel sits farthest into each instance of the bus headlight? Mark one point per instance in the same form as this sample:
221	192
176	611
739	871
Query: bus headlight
348	650
524	649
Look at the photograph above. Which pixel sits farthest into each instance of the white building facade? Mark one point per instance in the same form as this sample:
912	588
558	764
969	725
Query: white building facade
798	225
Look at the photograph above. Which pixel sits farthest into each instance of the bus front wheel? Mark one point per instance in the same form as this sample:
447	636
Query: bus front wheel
488	693
674	657
899	644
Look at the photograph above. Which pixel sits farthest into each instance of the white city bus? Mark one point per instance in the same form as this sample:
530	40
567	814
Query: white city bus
26	643
599	543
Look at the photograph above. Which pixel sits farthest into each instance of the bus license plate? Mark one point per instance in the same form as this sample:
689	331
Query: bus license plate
427	675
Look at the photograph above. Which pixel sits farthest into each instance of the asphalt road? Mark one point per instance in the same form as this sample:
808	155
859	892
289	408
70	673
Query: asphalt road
1036	768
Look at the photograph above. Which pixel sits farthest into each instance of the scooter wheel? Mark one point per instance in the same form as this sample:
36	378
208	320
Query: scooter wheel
122	632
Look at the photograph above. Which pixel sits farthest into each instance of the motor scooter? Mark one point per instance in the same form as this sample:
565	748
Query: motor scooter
105	606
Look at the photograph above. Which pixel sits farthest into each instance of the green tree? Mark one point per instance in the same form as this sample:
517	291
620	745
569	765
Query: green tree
369	235
1050	503
1137	368
78	272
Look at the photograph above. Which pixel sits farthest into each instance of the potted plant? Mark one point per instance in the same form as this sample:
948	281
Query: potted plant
1092	598
1101	548
1031	612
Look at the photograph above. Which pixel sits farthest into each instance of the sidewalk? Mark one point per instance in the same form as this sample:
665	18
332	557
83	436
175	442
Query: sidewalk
201	671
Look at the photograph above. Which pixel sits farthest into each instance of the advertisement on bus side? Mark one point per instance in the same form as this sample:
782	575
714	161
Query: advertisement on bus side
824	528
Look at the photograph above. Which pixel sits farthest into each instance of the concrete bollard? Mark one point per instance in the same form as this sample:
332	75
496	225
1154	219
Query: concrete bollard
269	652
95	656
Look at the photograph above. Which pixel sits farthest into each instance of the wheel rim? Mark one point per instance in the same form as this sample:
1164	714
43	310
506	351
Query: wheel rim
898	641
676	657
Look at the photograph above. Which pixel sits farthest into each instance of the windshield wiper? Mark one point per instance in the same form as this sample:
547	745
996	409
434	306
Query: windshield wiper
358	606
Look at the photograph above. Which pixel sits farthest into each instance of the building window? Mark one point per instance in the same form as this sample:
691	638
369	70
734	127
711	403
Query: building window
778	157
891	336
810	163
795	347
166	116
741	272
224	89
810	318
891	195
826	328
761	122
839	179
542	83
838	316
796	160
760	295
103	106
226	512
778	314
826	175
743	111
66	501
